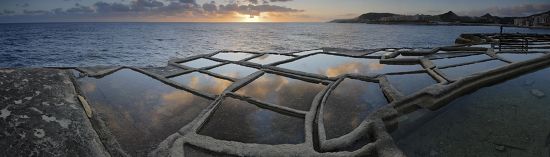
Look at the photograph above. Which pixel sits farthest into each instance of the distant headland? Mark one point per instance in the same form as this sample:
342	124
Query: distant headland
541	20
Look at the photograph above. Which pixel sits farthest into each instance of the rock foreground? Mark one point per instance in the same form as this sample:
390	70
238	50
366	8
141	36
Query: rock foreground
41	116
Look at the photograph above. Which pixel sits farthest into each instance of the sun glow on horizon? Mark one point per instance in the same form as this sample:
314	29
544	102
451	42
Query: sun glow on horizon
250	18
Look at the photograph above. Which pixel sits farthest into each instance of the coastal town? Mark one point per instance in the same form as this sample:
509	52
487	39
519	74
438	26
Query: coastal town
537	20
541	20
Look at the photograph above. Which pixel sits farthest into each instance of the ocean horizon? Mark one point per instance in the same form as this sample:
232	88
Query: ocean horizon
77	44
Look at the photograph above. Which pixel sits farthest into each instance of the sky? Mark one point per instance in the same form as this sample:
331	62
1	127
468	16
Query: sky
15	11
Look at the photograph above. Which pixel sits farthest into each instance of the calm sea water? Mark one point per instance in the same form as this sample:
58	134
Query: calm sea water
153	44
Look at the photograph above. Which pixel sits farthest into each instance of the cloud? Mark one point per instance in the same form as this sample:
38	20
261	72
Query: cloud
513	11
79	10
103	7
157	9
24	5
210	7
35	12
8	12
266	1
256	9
143	5
253	1
280	0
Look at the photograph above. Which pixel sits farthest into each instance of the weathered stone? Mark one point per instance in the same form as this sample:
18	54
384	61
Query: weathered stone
40	116
86	106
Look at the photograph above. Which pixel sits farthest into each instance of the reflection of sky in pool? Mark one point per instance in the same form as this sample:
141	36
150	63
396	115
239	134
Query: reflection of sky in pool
203	82
237	120
349	104
331	65
410	83
199	63
232	56
233	70
518	57
378	53
140	111
269	58
307	52
466	70
284	91
457	60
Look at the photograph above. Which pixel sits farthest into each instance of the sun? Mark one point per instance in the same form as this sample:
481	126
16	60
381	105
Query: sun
251	18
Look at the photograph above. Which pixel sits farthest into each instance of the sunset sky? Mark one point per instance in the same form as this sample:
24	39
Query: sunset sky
13	11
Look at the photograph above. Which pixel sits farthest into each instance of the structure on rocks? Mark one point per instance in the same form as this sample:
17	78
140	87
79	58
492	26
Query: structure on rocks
325	102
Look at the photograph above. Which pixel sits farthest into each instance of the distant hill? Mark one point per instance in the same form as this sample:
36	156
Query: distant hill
548	12
365	18
446	18
375	16
449	17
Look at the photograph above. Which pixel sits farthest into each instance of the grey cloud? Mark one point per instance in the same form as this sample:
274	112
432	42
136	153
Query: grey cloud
35	12
266	1
8	12
24	5
280	0
103	7
210	7
253	1
188	1
142	5
256	9
519	10
178	7
139	8
80	10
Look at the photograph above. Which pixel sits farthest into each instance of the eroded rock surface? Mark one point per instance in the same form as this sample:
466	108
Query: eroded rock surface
40	116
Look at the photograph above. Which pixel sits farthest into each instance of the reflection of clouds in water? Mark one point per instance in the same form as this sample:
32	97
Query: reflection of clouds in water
173	101
232	74
263	57
194	82
281	83
282	91
141	111
232	56
220	85
208	83
375	66
269	58
352	67
245	122
259	120
348	105
88	87
263	86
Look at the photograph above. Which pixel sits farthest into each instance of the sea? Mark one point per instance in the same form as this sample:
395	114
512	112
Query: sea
153	44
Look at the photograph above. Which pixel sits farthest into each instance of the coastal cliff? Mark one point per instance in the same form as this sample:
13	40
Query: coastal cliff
448	18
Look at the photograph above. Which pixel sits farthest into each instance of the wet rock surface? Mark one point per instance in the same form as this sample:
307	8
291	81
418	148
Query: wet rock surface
40	116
